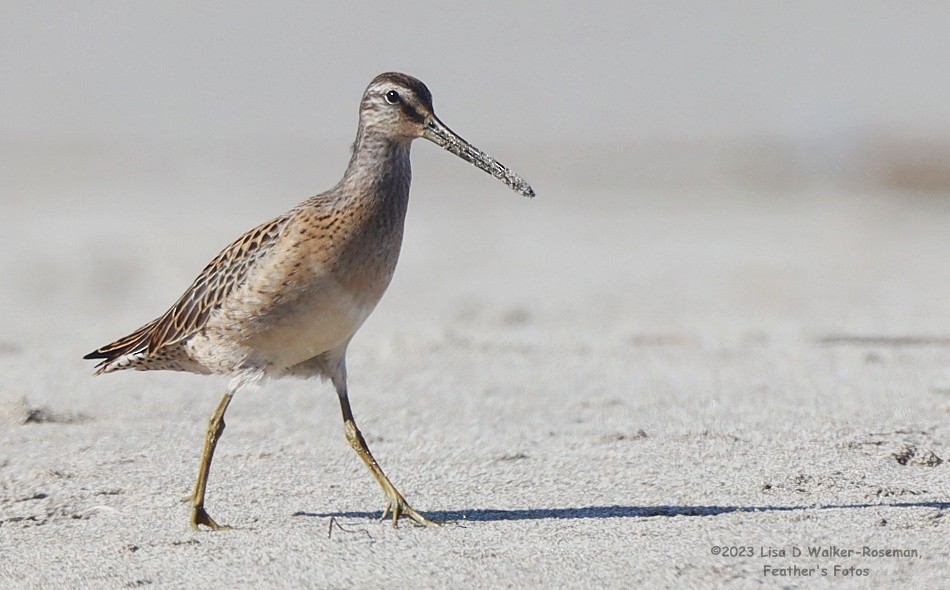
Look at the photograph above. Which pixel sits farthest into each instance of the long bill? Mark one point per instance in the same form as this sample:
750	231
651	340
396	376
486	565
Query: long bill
438	133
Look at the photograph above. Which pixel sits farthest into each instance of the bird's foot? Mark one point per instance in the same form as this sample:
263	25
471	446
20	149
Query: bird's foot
398	506
200	517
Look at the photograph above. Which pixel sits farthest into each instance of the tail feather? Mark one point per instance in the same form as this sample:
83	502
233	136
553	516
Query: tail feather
135	342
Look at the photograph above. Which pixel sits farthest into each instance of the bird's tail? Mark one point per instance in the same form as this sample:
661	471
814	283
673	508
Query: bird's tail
135	342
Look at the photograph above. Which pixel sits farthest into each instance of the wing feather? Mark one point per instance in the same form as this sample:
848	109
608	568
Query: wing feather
208	292
225	273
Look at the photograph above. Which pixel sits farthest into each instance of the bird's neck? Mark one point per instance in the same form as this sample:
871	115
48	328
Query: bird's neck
379	170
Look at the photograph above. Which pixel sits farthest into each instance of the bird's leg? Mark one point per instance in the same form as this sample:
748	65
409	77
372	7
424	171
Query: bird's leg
215	427
395	501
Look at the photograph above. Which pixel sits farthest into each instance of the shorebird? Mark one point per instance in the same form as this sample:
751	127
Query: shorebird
286	298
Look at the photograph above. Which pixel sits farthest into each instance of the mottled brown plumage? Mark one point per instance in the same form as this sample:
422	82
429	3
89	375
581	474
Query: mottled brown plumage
287	296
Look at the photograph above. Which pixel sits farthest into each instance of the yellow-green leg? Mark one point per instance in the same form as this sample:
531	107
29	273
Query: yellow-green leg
215	427
395	503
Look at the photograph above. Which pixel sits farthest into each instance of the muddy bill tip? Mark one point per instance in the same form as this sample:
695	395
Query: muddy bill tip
519	185
502	173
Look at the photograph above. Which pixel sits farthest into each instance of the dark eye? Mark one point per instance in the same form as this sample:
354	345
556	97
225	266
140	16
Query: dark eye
392	97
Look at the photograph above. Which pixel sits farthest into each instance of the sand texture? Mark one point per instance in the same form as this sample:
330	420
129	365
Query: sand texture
598	388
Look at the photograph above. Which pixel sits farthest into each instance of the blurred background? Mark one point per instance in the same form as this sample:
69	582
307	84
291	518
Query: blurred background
633	93
788	162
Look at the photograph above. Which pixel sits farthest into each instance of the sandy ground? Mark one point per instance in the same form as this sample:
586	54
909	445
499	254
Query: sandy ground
598	388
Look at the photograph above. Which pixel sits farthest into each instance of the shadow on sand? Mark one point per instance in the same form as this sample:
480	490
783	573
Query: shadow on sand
487	515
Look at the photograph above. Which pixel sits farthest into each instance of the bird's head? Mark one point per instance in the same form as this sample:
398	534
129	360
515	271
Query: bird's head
399	107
